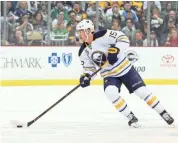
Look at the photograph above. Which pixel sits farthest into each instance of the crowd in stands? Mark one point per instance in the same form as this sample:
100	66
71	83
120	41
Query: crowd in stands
27	22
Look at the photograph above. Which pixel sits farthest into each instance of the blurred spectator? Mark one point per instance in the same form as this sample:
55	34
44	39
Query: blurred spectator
91	10
10	8
141	19
172	15
153	40
9	25
170	21
31	17
105	5
169	8
154	5
101	23
68	5
71	28
116	25
33	7
59	20
102	20
57	9
128	13
138	42
78	11
114	10
25	26
167	30
23	9
59	29
145	29
72	19
73	38
139	14
94	22
130	31
53	4
18	41
114	13
44	12
156	21
171	24
38	23
173	38
157	24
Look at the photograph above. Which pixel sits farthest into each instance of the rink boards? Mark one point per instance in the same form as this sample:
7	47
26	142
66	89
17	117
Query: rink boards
23	66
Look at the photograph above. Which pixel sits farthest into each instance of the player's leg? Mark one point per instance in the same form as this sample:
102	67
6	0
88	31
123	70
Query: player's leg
111	87
135	83
145	94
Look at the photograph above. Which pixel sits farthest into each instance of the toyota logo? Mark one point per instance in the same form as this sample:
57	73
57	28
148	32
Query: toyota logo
168	59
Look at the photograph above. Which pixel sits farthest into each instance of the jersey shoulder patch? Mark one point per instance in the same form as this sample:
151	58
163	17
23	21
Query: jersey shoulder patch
99	34
82	47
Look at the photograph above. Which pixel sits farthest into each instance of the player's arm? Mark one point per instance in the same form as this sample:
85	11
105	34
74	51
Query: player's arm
114	46
119	43
88	67
87	64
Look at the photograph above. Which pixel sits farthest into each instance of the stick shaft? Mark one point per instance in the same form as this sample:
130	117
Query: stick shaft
38	117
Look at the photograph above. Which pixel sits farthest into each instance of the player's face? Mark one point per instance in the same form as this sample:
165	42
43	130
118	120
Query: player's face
82	35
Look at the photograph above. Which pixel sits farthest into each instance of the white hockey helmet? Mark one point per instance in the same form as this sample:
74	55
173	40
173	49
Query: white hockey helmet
85	24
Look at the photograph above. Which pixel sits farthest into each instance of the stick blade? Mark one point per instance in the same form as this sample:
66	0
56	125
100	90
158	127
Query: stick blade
18	124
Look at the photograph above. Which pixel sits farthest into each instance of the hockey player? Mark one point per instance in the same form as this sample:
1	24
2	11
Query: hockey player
107	49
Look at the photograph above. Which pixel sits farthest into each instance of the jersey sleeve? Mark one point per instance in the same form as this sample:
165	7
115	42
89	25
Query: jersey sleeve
88	65
122	43
113	38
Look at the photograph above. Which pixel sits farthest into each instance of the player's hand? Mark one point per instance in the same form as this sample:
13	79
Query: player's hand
85	80
112	55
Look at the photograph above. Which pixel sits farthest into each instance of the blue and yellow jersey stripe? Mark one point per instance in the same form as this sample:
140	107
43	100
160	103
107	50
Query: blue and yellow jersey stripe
118	69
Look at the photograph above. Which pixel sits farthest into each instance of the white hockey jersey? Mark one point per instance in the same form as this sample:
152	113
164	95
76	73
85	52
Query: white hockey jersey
102	41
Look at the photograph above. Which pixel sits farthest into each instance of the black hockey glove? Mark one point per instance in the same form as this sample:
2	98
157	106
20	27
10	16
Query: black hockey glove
85	80
112	55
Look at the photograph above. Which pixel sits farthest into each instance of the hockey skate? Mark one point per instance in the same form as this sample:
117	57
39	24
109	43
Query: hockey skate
167	117
133	122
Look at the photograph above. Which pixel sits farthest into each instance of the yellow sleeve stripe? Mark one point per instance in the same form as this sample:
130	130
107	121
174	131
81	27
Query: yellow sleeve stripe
117	70
123	38
105	64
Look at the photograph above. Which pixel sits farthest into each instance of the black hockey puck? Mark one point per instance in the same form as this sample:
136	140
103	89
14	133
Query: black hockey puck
19	126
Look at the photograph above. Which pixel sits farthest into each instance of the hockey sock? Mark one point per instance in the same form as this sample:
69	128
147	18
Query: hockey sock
145	94
121	106
154	103
112	93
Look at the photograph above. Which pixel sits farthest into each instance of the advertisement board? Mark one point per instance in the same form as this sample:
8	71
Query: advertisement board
61	66
39	63
155	63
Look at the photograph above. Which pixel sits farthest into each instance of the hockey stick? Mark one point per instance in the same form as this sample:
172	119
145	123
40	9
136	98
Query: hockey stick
21	124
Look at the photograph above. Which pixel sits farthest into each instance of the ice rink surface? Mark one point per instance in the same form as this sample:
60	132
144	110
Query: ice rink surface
86	116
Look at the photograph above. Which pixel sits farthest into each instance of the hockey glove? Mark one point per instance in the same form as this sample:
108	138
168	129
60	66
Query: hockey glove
112	55
85	80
